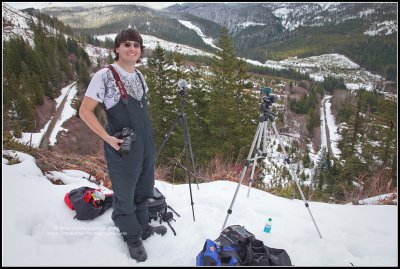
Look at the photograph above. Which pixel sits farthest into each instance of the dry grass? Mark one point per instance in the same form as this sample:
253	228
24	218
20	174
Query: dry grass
217	169
377	184
48	160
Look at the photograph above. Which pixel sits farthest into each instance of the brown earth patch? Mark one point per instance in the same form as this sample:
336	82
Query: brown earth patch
79	139
44	113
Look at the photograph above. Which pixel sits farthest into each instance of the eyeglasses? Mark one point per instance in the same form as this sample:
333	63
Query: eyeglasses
129	44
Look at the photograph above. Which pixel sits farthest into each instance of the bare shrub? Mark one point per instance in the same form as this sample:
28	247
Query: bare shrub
379	183
162	172
220	168
94	165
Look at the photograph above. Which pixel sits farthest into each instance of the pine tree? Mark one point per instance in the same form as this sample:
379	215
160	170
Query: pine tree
222	102
353	131
83	75
380	141
228	118
321	170
199	98
313	121
37	89
161	99
25	88
177	72
247	108
306	159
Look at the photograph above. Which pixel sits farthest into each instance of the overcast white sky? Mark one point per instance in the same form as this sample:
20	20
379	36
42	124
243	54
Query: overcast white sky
40	5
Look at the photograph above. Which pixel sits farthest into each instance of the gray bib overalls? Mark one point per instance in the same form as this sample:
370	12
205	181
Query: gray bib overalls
132	176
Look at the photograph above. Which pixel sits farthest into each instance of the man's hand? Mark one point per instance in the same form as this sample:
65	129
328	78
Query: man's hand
114	142
86	113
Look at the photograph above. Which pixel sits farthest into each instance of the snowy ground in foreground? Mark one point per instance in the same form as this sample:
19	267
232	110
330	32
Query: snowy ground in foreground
39	229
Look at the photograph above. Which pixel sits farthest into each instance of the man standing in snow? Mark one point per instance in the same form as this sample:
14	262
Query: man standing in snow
130	158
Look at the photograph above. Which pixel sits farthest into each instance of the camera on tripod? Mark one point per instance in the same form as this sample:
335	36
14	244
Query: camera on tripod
268	99
182	85
128	136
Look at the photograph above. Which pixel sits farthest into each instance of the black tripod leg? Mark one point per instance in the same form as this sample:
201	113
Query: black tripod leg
171	228
186	133
187	166
173	210
167	135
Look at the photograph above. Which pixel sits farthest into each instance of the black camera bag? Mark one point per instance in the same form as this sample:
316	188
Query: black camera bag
157	205
237	246
158	209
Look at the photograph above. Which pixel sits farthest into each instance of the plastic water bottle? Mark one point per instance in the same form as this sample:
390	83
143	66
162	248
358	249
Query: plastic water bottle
268	226
98	195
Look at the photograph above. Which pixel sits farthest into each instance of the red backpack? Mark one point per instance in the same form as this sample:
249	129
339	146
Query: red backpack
88	202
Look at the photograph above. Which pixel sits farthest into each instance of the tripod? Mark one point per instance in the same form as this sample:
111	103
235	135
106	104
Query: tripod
266	116
181	117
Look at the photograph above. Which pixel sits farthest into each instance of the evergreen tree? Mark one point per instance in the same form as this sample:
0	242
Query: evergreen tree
181	103
83	75
37	89
25	84
313	121
110	59
388	124
322	169
247	108
228	103
353	130
43	69
306	159
199	98
379	141
10	87
161	99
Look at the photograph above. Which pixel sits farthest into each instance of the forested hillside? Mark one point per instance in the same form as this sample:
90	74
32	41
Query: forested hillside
32	72
265	31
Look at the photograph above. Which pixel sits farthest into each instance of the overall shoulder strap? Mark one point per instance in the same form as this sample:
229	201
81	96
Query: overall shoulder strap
141	81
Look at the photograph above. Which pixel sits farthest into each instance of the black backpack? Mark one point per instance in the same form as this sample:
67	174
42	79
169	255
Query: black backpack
237	247
158	209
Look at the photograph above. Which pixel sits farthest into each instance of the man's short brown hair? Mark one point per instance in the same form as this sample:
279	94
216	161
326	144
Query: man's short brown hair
128	35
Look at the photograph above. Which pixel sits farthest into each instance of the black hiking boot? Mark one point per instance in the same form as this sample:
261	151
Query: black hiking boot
150	230
137	251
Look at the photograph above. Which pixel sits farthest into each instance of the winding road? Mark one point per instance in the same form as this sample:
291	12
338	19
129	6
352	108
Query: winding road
45	142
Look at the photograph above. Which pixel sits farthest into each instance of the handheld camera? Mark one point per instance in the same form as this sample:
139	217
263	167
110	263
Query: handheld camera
128	136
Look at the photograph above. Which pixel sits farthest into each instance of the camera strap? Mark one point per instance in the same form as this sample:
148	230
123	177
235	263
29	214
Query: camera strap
120	85
122	91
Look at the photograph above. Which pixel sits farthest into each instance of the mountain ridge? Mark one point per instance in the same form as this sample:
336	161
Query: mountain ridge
260	31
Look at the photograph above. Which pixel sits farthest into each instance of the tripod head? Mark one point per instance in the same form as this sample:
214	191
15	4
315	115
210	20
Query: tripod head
182	85
266	105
